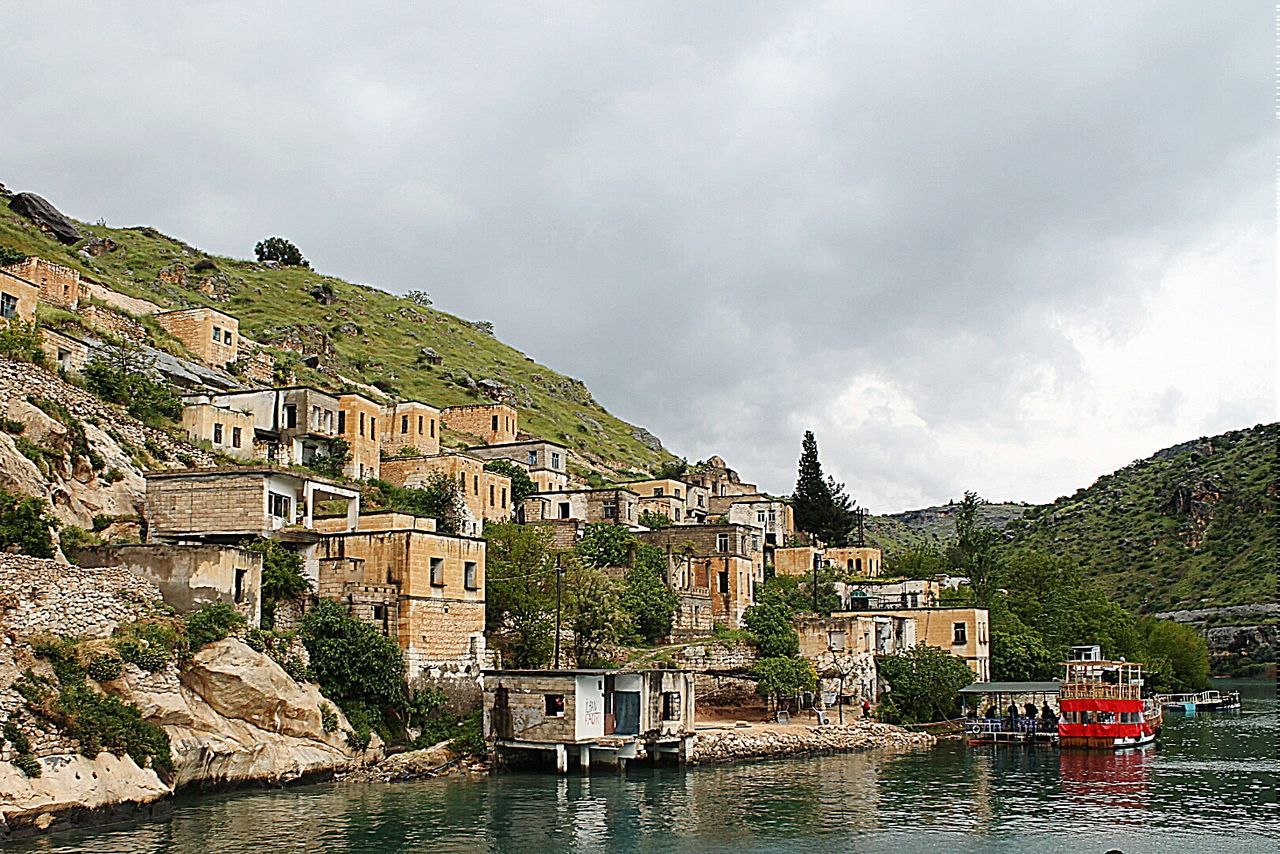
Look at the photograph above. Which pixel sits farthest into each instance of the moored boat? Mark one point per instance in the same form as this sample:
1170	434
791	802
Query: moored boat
1103	708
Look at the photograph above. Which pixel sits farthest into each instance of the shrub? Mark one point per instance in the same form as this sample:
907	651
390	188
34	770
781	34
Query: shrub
9	255
21	341
522	486
113	475
123	375
256	639
72	537
924	685
104	667
331	462
282	577
784	677
138	652
151	644
650	519
328	718
28	764
469	740
355	665
212	623
26	524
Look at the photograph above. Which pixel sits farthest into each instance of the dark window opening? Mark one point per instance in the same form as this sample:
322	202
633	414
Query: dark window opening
437	572
671	705
238	592
959	633
236	434
553	705
404	423
495	424
290	416
722	581
470	575
217	434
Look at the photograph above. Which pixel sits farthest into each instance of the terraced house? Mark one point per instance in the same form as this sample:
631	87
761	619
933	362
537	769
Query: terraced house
547	462
411	428
486	494
291	425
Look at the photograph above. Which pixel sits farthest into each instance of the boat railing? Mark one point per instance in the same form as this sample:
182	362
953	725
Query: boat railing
1098	690
998	726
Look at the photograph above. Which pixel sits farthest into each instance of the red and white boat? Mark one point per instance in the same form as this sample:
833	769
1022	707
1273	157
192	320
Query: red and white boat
1102	707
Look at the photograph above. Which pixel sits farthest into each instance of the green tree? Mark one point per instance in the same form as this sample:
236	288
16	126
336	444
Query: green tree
355	665
1018	652
974	554
282	577
441	499
594	613
520	588
1177	656
923	685
522	486
26	525
333	459
672	469
917	562
797	591
820	504
21	341
784	677
606	544
769	622
652	519
650	603
281	251
122	374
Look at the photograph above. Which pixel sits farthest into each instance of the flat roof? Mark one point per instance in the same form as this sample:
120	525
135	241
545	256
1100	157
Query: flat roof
199	308
1012	688
220	471
578	491
520	442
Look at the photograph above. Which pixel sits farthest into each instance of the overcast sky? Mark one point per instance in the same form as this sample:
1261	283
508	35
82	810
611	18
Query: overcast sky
1004	247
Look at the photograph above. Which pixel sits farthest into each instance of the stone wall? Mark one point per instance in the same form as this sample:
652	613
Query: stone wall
493	423
177	506
24	294
211	336
60	286
112	322
411	425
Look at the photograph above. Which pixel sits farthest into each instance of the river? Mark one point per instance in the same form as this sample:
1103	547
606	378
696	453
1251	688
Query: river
1210	785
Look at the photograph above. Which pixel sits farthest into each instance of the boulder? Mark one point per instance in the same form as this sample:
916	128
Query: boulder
71	785
46	216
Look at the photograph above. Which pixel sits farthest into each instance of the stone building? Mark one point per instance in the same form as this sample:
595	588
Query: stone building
410	427
189	576
487	495
715	476
64	352
420	587
581	717
212	336
358	427
682	503
491	423
728	559
842	648
909	593
851	561
963	632
291	424
228	430
59	286
774	516
585	506
547	462
18	298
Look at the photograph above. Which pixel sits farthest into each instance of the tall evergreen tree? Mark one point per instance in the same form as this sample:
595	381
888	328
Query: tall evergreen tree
820	504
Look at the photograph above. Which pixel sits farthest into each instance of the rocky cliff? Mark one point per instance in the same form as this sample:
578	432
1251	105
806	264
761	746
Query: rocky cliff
232	715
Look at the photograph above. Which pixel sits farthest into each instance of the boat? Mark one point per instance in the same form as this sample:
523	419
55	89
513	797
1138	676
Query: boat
1015	713
1202	701
1102	706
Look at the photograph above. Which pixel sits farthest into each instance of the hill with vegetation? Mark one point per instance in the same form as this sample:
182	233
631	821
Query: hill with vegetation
353	333
932	528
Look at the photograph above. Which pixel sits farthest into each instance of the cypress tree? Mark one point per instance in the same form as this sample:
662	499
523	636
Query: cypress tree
820	505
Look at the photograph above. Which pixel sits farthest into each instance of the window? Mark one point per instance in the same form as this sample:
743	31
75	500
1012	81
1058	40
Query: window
373	426
433	428
700	499
835	641
760	516
857	565
755	542
553	705
236	433
278	505
495	424
342	421
773	516
555	459
238	593
217	335
657	492
959	634
492	490
504	496
676	493
677	514
217	434
671	705
226	336
361	423
437	572
475	484
609	507
462	481
404	424
564	510
315	418
722	542
722	581
533	458
470	575
420	420
8	306
290	415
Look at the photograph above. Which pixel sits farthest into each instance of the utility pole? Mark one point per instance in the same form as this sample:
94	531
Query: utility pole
817	559
559	594
860	518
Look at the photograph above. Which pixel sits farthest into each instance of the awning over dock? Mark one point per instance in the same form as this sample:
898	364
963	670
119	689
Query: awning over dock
1012	688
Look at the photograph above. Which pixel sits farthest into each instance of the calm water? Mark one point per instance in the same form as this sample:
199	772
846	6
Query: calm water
1210	786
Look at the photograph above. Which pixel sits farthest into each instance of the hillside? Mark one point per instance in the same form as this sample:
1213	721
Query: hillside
359	332
931	527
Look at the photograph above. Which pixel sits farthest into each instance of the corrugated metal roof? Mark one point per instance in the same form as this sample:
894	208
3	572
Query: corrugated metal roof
1012	688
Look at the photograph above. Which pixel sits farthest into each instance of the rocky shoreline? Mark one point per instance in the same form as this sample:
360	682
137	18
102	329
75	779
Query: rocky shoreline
734	744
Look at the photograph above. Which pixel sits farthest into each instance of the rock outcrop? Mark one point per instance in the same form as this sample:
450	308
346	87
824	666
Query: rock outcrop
45	215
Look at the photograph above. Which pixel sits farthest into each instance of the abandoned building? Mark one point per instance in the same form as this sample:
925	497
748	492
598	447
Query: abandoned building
63	352
618	505
189	576
227	430
842	648
422	588
963	632
212	336
489	423
358	427
60	286
726	559
715	476
486	494
581	717
292	425
547	462
411	428
18	298
909	593
773	516
853	561
682	503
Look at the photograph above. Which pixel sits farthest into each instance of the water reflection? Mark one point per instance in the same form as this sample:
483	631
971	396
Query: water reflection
1210	785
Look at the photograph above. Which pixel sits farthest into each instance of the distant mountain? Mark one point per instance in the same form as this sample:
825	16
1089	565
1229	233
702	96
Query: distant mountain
1191	526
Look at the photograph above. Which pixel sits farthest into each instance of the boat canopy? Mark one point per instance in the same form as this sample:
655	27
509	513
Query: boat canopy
1012	688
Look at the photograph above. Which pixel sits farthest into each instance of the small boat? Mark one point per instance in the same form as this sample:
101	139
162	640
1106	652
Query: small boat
1103	708
1203	701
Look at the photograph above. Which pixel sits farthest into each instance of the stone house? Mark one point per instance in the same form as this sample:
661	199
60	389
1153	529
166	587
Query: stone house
212	336
842	648
547	462
715	476
909	593
228	430
729	559
18	298
683	503
411	425
853	561
581	717
291	424
618	505
772	515
491	423
486	494
189	576
420	587
963	632
59	286
358	426
64	352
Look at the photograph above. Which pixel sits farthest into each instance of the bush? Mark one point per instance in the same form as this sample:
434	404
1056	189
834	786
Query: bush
72	537
924	684
123	375
650	519
469	740
784	677
9	255
282	577
26	524
104	667
212	623
151	644
28	764
770	625
522	486
282	251
355	665
138	652
21	341
328	718
256	639
331	462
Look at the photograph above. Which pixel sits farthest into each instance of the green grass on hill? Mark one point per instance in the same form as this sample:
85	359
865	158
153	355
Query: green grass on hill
375	336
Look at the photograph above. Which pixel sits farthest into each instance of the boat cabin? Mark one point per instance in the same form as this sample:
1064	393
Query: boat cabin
586	716
1103	707
1011	712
